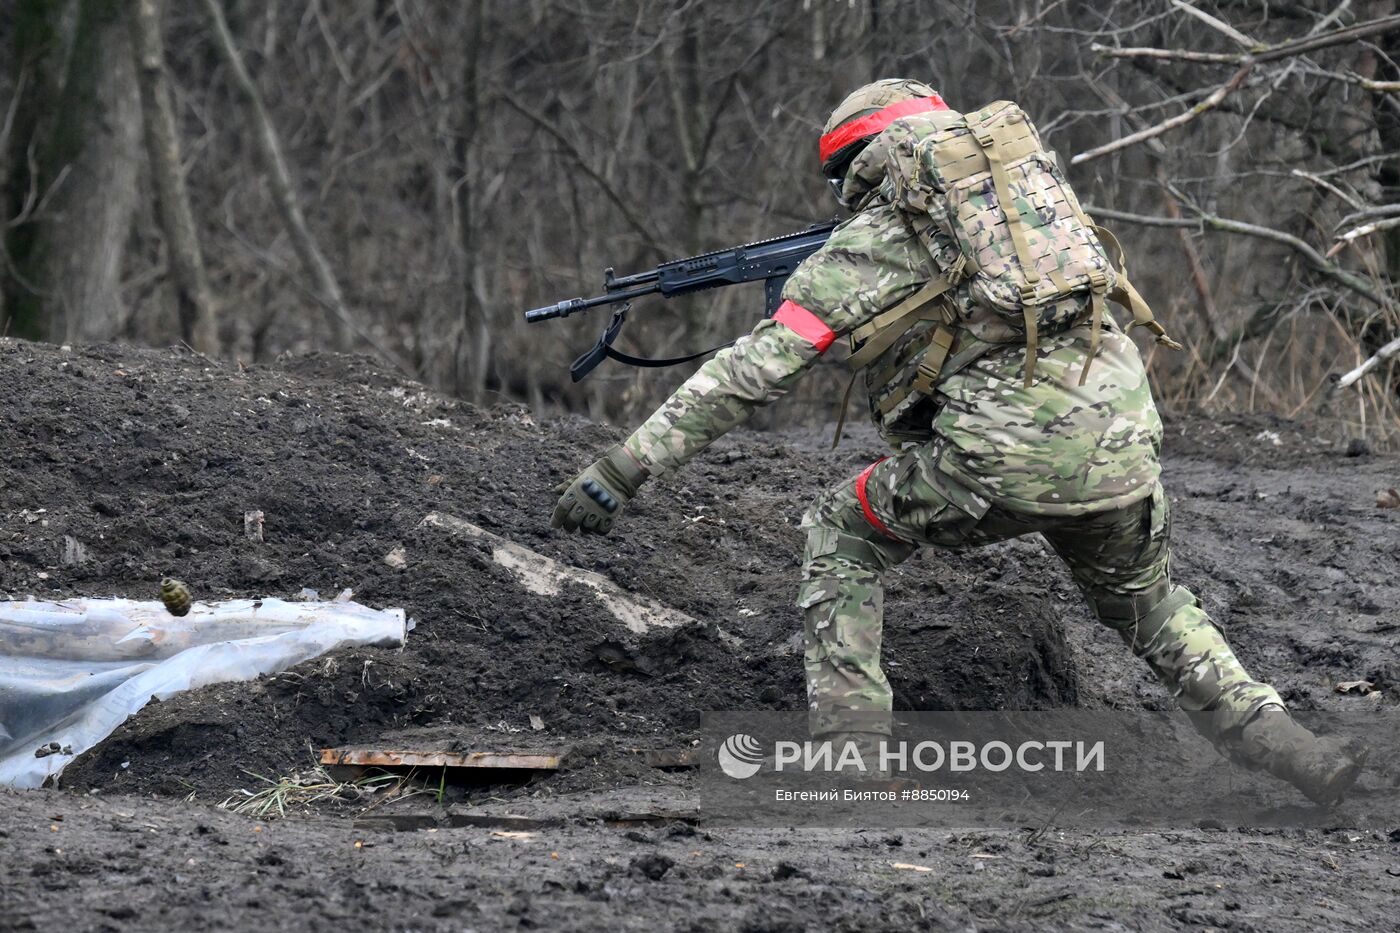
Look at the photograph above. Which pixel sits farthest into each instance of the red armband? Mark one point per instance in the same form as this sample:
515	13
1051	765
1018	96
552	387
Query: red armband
805	324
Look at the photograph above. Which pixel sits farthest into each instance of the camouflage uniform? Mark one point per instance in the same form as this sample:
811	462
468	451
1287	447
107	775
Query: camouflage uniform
1078	464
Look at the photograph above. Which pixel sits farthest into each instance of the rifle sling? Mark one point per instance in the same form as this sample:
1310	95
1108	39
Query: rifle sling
604	349
660	362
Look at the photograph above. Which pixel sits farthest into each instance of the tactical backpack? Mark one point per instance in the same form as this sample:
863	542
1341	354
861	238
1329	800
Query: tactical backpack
994	210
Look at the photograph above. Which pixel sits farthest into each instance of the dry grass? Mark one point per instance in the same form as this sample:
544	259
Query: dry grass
305	789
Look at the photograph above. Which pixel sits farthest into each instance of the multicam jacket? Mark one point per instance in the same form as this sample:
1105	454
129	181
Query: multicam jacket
1053	448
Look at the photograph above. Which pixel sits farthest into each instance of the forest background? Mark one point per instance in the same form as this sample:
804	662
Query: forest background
405	177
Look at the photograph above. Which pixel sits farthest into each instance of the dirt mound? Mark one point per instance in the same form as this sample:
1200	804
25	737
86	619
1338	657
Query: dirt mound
149	460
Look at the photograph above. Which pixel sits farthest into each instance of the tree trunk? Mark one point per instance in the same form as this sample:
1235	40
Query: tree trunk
42	33
196	312
474	356
1360	133
283	192
74	182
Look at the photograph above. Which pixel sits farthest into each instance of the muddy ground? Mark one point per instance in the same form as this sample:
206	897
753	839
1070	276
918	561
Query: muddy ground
149	459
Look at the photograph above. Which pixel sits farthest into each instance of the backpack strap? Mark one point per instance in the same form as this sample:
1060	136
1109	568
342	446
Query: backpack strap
881	332
841	412
1124	293
1098	287
1127	296
994	133
949	352
932	359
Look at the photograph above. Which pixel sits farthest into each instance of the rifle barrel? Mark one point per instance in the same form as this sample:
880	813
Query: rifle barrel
571	305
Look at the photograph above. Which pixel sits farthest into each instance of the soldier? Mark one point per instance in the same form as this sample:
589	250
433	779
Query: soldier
1000	426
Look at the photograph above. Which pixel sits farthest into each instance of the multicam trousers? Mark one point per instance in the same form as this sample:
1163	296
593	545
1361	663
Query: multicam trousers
1120	560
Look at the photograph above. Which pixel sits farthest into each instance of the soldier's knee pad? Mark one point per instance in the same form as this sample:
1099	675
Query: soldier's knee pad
1140	619
826	541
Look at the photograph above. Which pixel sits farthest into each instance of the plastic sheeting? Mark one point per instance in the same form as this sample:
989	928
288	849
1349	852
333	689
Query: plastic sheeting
71	672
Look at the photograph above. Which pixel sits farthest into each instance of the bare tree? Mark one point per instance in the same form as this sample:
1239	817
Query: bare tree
1342	106
72	188
279	177
476	333
195	306
461	162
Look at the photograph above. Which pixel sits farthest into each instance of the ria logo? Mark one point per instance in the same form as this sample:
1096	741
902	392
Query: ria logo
740	756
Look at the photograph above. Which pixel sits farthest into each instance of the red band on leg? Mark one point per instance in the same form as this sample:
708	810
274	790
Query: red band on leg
870	515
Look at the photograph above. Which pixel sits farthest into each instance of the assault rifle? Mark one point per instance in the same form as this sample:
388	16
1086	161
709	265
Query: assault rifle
770	260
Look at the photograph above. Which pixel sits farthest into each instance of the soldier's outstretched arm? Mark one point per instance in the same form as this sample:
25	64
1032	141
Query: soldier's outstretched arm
867	265
725	392
760	367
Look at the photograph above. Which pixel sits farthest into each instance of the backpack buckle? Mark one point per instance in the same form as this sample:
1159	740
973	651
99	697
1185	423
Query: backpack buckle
926	377
1098	281
1030	295
958	270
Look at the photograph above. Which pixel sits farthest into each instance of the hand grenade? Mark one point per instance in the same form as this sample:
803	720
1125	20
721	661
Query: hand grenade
176	596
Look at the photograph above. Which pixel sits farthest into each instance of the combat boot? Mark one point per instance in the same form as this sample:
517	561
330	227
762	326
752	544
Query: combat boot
865	744
1319	766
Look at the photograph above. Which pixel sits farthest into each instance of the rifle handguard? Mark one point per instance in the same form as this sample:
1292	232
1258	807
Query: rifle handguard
770	261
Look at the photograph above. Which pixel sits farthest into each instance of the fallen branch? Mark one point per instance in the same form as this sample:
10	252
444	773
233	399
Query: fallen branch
1260	54
1380	356
1370	212
1303	46
1145	220
1324	183
542	575
1203	219
1171	55
1352	78
1370	84
1246	61
1215	99
1219	25
1364	230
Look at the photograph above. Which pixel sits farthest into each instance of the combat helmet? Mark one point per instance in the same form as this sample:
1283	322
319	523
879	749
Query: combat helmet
865	113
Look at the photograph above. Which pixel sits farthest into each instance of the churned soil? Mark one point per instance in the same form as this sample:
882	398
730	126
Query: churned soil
119	466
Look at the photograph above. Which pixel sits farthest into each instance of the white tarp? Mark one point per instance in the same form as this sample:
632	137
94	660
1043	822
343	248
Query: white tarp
72	671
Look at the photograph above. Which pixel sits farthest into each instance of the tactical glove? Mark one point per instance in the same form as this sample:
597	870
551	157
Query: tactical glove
593	499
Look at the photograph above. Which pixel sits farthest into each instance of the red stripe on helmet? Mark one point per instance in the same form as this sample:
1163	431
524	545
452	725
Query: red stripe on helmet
869	125
864	498
805	324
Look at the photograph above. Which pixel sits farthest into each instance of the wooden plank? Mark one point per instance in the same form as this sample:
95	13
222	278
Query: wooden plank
541	760
346	774
501	821
540	574
397	823
669	758
661	816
